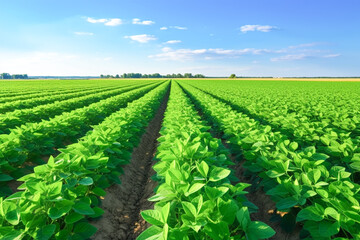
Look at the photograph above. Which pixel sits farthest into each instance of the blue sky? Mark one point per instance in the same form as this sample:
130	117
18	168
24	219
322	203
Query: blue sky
212	37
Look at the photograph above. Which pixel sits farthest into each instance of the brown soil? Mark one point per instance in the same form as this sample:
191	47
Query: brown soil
123	203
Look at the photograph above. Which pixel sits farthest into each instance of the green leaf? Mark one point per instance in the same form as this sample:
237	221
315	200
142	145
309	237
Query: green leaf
84	229
328	229
189	209
45	232
243	217
73	218
203	168
5	178
355	165
194	188
217	231
218	174
153	217
11	212
309	213
286	203
83	208
165	210
152	233
86	181
259	230
99	192
293	146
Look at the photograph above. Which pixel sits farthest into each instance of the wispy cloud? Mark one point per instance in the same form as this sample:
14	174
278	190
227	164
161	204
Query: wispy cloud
84	33
106	21
207	54
259	28
290	57
139	22
294	57
331	55
174	27
173	42
142	38
304	45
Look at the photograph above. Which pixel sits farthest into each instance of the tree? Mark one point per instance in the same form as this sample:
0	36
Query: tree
232	76
117	76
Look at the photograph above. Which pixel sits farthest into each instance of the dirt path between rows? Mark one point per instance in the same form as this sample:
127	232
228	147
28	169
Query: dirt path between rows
123	203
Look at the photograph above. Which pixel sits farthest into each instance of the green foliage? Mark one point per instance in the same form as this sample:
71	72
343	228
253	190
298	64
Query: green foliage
297	171
55	200
195	199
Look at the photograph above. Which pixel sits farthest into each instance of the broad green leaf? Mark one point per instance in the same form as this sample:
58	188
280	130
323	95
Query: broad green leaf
189	209
217	174
152	233
203	168
45	232
83	208
328	229
84	229
99	192
86	181
309	213
5	178
286	203
153	217
194	188
259	230
73	218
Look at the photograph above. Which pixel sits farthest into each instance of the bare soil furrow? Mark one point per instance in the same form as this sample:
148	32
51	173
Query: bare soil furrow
123	203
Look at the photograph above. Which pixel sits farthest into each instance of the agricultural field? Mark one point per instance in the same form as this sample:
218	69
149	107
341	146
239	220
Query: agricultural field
179	159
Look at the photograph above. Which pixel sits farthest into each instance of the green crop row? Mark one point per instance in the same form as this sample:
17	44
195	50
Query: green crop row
56	200
195	199
323	197
18	117
333	131
33	102
29	142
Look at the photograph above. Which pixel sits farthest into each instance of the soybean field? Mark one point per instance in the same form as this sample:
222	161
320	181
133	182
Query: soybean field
179	159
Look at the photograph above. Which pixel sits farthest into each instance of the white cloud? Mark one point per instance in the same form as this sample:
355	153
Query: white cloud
114	22
145	22
290	57
173	41
142	38
260	28
174	27
92	20
84	33
179	28
107	22
168	53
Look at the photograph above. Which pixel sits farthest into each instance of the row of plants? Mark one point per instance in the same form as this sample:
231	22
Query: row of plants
342	144
18	117
195	198
25	146
56	201
50	98
46	93
299	180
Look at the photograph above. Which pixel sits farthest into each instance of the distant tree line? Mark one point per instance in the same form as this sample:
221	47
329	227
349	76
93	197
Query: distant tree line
154	75
14	76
